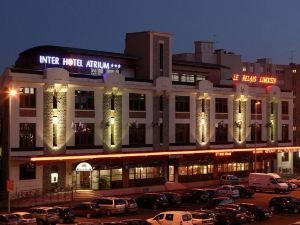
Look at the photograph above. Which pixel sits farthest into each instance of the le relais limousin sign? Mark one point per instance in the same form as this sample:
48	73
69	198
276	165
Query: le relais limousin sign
84	63
254	79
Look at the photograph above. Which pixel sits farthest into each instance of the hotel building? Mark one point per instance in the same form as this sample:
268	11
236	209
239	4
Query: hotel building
98	120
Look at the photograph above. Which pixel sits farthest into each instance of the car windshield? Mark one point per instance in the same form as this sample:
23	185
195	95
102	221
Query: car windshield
280	180
27	216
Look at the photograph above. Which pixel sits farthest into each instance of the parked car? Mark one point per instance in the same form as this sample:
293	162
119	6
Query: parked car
267	182
229	191
66	214
258	211
291	185
25	218
131	205
152	200
172	218
285	204
245	191
9	219
229	179
203	218
214	202
136	222
295	223
87	209
174	199
212	192
45	215
296	181
226	216
195	195
249	215
111	205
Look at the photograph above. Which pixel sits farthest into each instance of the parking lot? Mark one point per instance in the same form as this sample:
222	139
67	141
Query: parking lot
259	198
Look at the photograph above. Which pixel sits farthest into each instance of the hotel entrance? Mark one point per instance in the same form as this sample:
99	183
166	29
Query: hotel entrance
82	176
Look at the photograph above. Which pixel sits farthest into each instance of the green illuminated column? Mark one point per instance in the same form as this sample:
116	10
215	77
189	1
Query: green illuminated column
48	120
272	122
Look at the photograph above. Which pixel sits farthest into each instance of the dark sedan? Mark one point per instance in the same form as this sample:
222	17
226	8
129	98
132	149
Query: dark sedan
214	202
174	198
152	200
195	195
245	191
259	212
285	204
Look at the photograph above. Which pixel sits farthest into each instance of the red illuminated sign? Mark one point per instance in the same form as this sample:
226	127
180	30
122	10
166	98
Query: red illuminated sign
261	79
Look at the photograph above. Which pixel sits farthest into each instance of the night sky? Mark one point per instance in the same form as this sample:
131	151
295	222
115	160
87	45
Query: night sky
252	28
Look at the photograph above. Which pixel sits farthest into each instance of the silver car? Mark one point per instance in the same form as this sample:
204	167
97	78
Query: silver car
131	205
111	205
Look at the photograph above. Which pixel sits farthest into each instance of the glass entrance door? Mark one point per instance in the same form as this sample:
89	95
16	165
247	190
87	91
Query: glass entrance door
171	177
104	179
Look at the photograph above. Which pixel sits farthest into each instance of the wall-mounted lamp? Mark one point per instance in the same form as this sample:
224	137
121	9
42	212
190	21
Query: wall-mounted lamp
55	120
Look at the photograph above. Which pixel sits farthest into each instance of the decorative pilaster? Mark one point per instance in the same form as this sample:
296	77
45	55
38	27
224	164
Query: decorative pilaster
272	122
202	122
61	114
165	120
156	121
112	120
48	120
239	122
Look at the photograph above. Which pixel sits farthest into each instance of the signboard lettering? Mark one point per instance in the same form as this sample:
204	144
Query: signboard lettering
261	79
75	62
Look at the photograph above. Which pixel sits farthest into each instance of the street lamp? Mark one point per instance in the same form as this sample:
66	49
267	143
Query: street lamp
257	103
11	94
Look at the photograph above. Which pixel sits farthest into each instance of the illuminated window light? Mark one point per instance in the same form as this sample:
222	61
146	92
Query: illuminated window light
55	120
54	178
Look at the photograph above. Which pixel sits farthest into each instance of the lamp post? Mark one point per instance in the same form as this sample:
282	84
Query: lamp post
257	103
11	93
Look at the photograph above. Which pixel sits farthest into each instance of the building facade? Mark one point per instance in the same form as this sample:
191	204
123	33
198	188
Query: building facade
95	120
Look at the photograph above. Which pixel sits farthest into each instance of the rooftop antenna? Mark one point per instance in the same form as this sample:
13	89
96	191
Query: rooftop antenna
292	56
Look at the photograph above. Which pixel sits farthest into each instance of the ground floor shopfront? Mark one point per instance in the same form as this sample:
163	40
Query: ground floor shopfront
103	174
140	170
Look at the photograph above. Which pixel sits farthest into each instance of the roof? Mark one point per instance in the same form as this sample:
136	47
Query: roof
76	51
199	64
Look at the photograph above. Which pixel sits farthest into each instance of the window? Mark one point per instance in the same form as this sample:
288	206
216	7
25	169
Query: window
285	107
84	100
137	102
112	102
285	132
116	174
27	135
27	171
221	133
84	135
244	69
294	71
284	156
55	100
200	77
169	217
145	172
182	103
161	56
258	132
137	134
257	104
233	167
182	133
221	105
175	77
27	97
195	169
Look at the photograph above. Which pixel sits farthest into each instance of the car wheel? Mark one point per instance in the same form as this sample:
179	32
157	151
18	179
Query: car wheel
88	215
296	210
272	208
154	206
108	213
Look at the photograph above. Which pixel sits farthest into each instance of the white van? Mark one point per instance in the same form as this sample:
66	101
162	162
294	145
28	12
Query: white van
172	218
267	182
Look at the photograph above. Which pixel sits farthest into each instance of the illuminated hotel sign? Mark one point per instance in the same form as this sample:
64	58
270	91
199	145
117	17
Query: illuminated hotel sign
76	62
254	79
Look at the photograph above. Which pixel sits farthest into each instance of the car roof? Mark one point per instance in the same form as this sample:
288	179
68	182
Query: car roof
42	207
176	212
